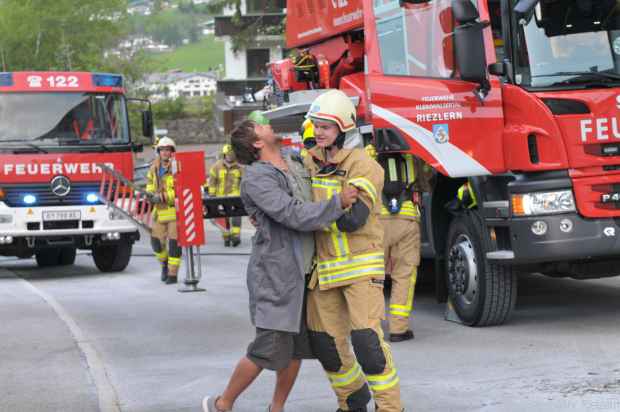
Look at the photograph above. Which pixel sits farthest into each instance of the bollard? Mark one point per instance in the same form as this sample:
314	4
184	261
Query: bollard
193	270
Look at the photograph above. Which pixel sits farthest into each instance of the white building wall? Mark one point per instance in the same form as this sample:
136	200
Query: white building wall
236	67
275	53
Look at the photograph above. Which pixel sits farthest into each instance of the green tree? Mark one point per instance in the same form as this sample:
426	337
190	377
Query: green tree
66	35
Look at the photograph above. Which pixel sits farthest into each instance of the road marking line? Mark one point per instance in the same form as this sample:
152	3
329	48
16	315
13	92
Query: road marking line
108	399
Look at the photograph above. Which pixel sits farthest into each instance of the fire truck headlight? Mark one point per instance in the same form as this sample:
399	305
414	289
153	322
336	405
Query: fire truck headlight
92	198
29	199
543	203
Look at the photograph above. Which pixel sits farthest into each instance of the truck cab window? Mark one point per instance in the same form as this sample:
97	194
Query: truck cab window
564	43
415	39
495	14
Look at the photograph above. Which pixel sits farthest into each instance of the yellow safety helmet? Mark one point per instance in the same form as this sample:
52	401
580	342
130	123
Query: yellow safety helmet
334	106
166	142
307	129
372	152
307	134
226	149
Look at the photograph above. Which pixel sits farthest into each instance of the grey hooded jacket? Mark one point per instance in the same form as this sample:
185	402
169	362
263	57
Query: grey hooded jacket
275	275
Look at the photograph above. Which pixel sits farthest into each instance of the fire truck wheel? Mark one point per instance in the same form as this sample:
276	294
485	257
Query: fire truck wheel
112	258
47	257
67	256
482	293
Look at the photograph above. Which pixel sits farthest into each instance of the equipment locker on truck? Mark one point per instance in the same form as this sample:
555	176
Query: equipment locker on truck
514	103
56	128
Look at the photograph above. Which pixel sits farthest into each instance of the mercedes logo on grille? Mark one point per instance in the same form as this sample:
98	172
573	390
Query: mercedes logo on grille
61	186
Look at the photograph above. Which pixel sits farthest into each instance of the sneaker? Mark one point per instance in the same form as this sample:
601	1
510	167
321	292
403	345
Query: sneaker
401	337
208	404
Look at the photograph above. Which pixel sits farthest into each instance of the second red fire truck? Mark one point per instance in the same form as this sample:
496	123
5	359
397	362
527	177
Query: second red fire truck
56	128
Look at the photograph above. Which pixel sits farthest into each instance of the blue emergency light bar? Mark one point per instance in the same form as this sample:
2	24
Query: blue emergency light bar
6	79
107	80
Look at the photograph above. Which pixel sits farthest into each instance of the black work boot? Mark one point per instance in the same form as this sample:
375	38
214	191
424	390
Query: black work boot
164	273
401	337
236	241
171	280
227	242
353	410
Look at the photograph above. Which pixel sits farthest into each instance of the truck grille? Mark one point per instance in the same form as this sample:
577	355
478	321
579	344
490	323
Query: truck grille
77	196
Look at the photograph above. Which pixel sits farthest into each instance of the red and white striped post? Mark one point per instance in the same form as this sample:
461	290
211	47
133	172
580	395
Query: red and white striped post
189	177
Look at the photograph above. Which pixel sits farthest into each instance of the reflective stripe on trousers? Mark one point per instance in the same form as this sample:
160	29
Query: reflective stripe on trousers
405	310
343	379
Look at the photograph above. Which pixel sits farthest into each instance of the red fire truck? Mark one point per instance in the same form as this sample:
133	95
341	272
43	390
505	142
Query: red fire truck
56	129
516	100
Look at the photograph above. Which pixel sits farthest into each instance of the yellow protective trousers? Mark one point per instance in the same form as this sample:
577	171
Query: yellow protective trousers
354	313
402	257
233	228
165	246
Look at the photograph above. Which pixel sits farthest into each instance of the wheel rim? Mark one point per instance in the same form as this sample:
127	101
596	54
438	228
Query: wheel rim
463	270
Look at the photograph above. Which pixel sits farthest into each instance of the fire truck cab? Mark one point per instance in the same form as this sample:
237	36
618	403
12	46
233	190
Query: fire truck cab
56	128
518	101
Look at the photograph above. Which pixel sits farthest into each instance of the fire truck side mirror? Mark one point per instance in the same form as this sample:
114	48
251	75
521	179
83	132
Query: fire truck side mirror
469	49
147	124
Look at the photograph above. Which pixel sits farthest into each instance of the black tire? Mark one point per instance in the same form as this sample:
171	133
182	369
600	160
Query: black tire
482	293
67	256
47	257
112	258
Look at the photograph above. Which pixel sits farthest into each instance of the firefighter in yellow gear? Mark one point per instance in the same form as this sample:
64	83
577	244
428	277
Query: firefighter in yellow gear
224	180
405	178
345	300
161	186
400	214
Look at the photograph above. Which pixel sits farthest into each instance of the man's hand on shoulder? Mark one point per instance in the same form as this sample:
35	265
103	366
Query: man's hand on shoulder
348	196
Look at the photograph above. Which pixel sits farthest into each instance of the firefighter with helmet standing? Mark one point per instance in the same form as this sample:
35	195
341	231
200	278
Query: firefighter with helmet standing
161	186
224	180
345	300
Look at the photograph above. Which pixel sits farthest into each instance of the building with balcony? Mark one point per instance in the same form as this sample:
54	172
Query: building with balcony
175	84
251	40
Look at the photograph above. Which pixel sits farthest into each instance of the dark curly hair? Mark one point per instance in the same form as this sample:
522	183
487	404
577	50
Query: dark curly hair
242	140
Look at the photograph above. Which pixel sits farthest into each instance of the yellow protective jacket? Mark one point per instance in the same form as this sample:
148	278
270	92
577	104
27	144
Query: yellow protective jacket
224	179
162	184
347	258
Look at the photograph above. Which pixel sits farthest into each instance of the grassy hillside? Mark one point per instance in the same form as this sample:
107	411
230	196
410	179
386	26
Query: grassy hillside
206	54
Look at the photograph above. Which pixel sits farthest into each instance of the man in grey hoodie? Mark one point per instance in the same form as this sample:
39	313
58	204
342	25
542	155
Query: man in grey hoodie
276	193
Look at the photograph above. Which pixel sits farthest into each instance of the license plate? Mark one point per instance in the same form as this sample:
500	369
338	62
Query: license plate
62	215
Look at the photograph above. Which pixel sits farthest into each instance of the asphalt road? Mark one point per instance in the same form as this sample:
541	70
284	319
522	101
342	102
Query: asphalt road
75	340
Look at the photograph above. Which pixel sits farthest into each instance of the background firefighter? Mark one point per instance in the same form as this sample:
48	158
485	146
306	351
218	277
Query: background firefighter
400	215
346	289
160	185
224	180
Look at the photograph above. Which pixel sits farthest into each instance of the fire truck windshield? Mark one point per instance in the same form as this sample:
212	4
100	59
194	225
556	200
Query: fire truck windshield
563	44
63	119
